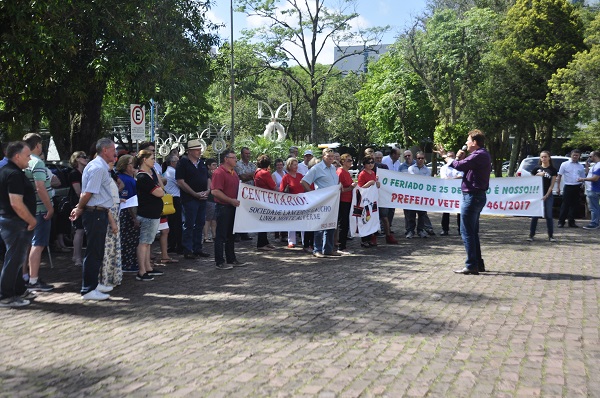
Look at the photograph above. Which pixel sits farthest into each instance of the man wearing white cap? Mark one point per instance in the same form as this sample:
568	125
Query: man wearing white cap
303	166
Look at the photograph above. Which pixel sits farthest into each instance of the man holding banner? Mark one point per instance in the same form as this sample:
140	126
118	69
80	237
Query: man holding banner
323	175
224	188
475	182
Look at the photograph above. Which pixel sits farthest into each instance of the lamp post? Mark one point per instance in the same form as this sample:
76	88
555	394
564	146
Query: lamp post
232	73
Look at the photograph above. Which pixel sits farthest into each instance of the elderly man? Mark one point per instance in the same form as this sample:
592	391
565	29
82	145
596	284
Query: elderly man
592	189
475	182
40	178
17	221
424	227
303	166
94	204
192	179
323	175
245	170
408	214
293	152
570	171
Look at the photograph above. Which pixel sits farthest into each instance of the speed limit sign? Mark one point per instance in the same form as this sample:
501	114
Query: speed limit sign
138	122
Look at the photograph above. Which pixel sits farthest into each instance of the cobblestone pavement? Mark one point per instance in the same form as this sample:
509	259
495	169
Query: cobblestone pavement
391	321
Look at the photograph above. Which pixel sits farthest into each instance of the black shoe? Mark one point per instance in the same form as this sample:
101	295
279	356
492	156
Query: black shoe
224	266
560	225
444	233
39	286
466	271
573	226
237	263
201	254
144	277
155	272
190	256
246	237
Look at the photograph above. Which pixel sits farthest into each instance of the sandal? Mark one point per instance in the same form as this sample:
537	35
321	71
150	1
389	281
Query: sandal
168	261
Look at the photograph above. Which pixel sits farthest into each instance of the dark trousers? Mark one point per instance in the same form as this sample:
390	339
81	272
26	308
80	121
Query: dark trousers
344	224
262	239
569	203
17	240
225	218
95	224
175	227
195	215
446	222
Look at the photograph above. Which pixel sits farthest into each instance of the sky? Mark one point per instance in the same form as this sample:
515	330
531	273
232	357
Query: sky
399	14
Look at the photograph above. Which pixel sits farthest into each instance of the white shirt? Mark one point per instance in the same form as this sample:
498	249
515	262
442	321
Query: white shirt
588	184
302	168
171	186
387	160
570	171
448	172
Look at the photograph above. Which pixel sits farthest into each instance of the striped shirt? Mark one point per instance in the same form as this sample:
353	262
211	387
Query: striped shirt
37	171
96	180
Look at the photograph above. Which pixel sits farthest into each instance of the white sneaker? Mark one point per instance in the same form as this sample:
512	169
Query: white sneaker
95	295
103	288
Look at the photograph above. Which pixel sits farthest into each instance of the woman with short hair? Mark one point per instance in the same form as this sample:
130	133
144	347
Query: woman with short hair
290	183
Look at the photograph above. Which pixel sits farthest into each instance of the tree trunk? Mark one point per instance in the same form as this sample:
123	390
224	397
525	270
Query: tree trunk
90	127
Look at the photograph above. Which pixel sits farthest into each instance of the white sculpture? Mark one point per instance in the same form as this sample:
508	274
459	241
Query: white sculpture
274	125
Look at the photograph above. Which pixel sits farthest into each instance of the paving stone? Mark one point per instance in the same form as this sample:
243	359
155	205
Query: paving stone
387	323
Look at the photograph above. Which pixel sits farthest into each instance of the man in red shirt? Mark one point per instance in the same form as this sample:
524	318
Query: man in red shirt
224	188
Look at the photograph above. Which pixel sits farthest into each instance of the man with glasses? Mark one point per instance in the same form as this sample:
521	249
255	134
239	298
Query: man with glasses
424	227
224	188
192	178
323	175
408	214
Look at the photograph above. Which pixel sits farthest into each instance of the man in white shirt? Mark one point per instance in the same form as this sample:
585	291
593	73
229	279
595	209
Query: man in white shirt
424	227
323	175
303	166
570	172
392	160
447	172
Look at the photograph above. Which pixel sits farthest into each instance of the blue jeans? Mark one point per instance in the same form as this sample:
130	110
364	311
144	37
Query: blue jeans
95	224
547	215
470	210
225	219
324	241
17	239
194	212
593	199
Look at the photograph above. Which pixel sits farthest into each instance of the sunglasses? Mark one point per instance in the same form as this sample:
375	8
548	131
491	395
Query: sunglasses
371	162
82	157
420	158
407	156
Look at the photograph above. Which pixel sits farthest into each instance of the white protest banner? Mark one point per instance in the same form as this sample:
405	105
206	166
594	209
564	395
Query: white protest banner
364	212
262	210
511	196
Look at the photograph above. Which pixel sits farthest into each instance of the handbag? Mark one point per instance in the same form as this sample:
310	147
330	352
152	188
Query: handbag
168	207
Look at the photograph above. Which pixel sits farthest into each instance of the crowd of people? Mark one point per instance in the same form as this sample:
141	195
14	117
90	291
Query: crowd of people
116	204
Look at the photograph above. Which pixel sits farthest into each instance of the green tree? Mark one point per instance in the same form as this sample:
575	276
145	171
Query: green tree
577	88
540	37
297	32
394	103
445	51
